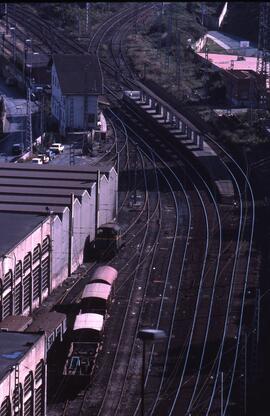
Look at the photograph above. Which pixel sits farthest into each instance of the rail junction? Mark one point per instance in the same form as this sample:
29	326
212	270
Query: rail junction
187	265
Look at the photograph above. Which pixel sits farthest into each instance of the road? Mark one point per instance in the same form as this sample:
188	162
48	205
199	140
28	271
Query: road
15	103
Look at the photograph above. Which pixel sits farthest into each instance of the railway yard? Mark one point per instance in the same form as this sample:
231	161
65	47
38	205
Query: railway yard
187	264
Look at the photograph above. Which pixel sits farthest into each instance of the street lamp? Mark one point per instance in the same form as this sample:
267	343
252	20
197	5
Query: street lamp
152	336
27	46
13	31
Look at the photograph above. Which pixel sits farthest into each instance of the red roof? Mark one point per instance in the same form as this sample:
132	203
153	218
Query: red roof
224	61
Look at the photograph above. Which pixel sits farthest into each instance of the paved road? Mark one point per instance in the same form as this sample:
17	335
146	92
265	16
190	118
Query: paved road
16	112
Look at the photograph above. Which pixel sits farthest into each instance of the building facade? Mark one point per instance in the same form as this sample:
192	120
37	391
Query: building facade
47	223
76	82
23	383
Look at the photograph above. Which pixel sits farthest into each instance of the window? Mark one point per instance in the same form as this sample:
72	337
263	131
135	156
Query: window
18	271
36	253
27	291
36	282
45	273
27	262
7	305
5	407
28	384
7	281
50	341
45	245
18	299
39	371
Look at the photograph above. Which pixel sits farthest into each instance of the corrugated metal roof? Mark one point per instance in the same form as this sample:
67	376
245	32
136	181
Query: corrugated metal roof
103	167
105	273
97	290
61	193
40	183
15	226
71	176
88	321
79	74
35	199
31	209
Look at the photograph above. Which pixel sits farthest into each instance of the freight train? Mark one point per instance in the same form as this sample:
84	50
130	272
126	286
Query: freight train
87	332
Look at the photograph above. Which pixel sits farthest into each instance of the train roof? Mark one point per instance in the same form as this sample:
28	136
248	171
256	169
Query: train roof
105	273
88	321
97	290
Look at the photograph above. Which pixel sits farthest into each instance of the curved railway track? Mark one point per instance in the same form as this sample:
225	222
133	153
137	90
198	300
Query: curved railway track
190	365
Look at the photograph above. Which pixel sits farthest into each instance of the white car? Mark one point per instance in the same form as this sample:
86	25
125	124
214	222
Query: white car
37	161
44	158
57	147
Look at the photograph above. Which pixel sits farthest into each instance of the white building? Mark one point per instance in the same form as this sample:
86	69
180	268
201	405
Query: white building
76	84
22	374
45	230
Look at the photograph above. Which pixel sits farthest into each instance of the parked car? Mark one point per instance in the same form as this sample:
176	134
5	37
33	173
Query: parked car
57	147
37	161
50	154
44	157
16	149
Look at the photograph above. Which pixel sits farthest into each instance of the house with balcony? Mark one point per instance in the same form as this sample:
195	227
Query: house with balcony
77	84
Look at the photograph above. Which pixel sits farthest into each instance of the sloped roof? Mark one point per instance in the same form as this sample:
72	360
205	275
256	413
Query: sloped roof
79	74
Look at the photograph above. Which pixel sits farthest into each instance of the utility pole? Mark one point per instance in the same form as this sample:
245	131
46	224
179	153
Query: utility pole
6	13
85	106
263	58
13	31
169	36
29	137
87	18
178	57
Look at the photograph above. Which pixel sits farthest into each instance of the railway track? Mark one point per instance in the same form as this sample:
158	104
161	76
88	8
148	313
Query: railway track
241	230
203	339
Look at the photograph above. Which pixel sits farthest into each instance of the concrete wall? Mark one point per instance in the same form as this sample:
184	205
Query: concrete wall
107	201
60	233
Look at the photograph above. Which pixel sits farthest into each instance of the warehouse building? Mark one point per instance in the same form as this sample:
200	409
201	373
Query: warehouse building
22	374
48	215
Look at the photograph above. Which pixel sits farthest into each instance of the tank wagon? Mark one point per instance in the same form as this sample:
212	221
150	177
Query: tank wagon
184	130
